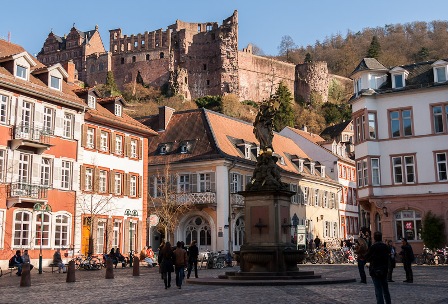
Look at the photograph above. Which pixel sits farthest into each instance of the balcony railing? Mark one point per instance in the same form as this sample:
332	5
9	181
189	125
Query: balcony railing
31	133
236	200
24	190
195	198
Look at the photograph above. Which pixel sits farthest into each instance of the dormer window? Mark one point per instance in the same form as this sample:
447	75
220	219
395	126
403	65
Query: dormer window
247	151
118	109
282	160
398	76
301	162
312	167
162	149
21	72
440	71
397	81
91	102
183	149
358	86
55	83
322	171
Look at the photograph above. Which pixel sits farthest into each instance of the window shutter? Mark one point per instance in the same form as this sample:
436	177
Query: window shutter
194	182
76	127
96	179
140	186
83	178
139	149
57	173
127	146
59	123
84	136
38	115
112	142
240	182
75	176
112	182
151	186
126	184
35	173
98	139
212	182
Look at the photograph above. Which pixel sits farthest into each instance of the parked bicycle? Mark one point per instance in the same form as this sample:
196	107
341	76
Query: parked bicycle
87	263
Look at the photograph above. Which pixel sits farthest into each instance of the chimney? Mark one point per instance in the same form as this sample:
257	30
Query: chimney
70	68
165	114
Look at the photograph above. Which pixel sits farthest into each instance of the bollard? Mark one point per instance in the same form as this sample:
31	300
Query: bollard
71	272
109	269
25	279
136	267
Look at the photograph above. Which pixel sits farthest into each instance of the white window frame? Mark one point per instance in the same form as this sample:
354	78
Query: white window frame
24	168
436	74
118	144
133	186
118	178
2	165
205	182
24	239
102	181
184	185
442	166
45	172
90	140
134	145
88	179
3	109
405	169
46	230
91	101
116	238
118	110
247	151
21	72
68	125
236	182
394	80
104	141
55	83
376	180
100	239
66	170
2	228
61	230
48	120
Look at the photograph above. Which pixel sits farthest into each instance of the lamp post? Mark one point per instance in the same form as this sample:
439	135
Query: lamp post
129	212
295	223
42	208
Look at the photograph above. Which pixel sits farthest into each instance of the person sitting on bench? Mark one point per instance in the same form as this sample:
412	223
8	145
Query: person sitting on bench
57	260
120	257
17	261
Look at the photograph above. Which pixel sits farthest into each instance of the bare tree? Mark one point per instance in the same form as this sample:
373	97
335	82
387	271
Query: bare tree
168	204
285	47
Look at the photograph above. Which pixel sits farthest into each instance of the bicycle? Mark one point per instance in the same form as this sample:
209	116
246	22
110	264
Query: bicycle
87	263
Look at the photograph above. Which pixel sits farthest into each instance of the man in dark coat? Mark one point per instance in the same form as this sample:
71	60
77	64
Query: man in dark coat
378	256
193	253
407	257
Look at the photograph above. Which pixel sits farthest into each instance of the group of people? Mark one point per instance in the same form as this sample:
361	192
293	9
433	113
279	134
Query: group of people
116	257
17	260
176	259
381	257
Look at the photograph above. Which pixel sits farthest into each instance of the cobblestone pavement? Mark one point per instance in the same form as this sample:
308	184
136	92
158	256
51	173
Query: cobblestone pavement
430	286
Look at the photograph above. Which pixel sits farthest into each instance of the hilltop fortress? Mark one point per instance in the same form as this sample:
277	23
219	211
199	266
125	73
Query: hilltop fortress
191	59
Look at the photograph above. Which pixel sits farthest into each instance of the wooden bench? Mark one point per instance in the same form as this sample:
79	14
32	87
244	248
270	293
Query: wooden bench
54	265
11	269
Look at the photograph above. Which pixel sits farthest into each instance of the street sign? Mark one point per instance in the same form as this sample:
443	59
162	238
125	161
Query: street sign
153	220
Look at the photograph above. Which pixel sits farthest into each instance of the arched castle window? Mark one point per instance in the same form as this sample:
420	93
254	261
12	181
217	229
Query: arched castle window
147	57
92	68
198	229
135	44
205	67
129	46
101	66
199	28
162	55
115	48
209	27
133	59
122	47
208	82
122	60
115	35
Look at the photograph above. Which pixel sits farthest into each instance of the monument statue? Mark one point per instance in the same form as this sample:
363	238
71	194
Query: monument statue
263	124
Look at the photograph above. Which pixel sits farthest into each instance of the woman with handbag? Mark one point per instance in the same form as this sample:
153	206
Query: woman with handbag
167	257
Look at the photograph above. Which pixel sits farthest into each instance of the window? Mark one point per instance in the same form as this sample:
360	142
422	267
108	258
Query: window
206	182
375	163
440	118
442	165
184	183
247	151
68	125
118	184
236	182
118	144
66	174
24	169
3	109
133	58
133	186
134	152
22	229
42	229
197	228
118	109
162	55
122	59
199	28
398	81
104	141
21	72
88	184
45	172
90	141
48	121
61	231
295	197
102	181
101	228
400	123
440	74
325	199
147	57
27	109
91	101
372	126
361	167
316	197
160	186
116	234
55	83
408	224
403	169
2	165
209	27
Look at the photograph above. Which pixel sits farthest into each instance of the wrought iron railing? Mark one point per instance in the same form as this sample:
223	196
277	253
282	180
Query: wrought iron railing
236	200
31	133
27	191
195	198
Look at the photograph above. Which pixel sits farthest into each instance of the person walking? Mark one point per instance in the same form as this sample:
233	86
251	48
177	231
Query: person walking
193	253
391	264
317	242
407	257
360	250
167	258
180	258
378	256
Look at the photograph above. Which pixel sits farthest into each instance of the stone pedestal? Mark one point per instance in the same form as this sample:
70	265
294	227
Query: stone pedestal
25	279
136	267
109	269
71	272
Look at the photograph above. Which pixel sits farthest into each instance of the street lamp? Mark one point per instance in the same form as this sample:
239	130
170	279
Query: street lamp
42	208
129	212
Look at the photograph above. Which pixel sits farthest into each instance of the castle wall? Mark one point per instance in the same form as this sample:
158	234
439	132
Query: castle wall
312	77
97	66
259	76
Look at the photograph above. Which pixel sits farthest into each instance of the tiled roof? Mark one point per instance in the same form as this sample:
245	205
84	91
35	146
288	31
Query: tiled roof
336	130
369	64
308	135
185	125
8	49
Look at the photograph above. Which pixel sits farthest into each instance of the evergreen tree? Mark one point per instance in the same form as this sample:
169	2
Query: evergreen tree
285	114
111	84
433	231
308	58
374	49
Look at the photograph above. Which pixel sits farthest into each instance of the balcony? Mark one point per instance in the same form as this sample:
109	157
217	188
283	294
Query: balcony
195	198
25	193
236	200
32	137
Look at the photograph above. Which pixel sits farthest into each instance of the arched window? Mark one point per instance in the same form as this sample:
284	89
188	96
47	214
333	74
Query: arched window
22	229
238	238
162	55
147	57
408	224
62	223
198	229
378	222
42	231
134	58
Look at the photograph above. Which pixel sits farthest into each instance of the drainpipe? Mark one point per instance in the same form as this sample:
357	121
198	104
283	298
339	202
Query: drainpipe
230	206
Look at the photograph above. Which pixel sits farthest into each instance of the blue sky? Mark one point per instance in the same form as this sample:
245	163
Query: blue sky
261	22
